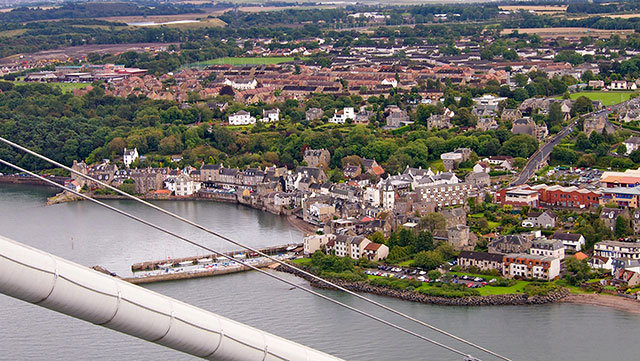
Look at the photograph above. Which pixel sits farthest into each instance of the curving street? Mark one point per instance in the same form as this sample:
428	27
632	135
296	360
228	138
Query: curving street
542	154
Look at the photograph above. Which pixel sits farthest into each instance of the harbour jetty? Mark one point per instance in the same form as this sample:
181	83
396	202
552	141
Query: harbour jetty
195	271
210	265
175	262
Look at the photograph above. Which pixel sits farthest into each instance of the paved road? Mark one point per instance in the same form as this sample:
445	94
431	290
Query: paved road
542	154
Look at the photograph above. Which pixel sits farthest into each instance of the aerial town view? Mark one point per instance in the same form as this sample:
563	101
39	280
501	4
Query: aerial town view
319	180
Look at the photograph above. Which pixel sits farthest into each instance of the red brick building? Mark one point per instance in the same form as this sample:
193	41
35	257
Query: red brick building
542	195
569	197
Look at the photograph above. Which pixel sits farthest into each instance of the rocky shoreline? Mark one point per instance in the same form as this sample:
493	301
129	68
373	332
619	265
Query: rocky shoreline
405	295
63	197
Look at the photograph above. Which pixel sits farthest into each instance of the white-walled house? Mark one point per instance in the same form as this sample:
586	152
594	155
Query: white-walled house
482	167
242	117
488	102
316	242
632	144
341	116
372	196
129	156
388	195
599	262
571	241
271	115
375	251
185	186
241	84
619	85
547	248
358	247
390	81
170	184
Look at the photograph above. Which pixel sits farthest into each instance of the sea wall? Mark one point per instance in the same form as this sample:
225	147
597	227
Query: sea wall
406	295
189	275
255	202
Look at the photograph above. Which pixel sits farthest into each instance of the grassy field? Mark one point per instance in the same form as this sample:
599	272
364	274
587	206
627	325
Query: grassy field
607	98
65	87
241	61
15	32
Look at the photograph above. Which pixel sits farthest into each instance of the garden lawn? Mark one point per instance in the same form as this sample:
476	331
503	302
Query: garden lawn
302	261
493	224
491	290
607	98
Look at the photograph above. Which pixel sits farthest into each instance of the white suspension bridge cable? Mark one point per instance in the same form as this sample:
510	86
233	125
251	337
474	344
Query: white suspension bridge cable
227	239
246	264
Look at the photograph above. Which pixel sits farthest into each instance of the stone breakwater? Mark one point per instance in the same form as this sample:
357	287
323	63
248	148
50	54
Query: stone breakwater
407	295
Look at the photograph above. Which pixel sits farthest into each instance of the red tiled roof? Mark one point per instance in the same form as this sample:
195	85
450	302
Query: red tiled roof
372	247
580	256
377	170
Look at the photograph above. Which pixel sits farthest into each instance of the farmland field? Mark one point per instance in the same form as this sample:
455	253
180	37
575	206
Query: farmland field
569	32
14	32
607	98
241	61
547	9
182	24
613	16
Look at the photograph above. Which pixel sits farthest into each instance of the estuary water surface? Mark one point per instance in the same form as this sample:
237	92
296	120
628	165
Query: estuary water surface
87	234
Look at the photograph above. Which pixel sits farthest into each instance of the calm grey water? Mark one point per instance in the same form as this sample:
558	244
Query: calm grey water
89	235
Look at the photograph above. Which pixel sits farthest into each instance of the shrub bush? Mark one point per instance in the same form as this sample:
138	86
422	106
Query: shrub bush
394	283
450	291
539	288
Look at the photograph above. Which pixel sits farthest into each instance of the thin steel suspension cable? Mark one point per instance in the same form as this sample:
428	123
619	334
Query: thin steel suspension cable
227	239
246	264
